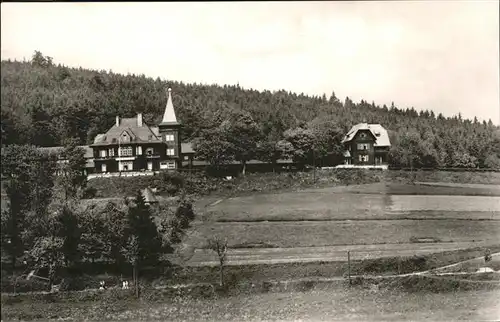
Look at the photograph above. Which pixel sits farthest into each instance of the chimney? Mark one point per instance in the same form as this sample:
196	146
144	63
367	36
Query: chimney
139	119
117	120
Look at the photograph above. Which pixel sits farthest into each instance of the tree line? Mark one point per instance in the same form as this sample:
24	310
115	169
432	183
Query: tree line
43	104
45	223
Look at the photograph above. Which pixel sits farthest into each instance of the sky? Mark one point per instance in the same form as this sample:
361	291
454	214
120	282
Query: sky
436	55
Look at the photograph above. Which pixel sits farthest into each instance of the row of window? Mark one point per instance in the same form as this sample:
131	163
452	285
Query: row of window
363	146
129	166
126	138
126	151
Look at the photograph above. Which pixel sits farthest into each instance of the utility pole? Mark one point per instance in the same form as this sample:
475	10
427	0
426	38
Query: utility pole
314	166
349	265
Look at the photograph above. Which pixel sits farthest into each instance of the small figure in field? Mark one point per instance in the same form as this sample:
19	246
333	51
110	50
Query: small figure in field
487	256
125	285
102	285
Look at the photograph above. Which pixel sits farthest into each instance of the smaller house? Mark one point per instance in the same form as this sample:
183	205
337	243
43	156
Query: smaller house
366	145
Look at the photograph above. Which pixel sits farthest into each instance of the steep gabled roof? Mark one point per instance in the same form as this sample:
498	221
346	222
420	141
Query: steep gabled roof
130	126
380	133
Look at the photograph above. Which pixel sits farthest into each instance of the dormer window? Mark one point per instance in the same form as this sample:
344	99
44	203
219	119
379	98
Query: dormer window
149	151
125	138
377	134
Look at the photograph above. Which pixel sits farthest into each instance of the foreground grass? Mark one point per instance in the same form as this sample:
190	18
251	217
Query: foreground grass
344	304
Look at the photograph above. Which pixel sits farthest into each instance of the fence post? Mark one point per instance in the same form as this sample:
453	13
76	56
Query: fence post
349	265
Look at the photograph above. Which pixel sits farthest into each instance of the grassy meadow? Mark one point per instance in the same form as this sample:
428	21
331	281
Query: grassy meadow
355	232
326	304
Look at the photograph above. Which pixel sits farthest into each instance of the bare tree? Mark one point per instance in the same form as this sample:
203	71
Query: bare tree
219	245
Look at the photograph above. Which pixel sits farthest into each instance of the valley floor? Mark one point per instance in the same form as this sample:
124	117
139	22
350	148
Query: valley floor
343	304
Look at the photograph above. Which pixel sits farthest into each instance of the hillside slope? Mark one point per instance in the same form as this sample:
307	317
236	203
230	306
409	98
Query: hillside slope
43	103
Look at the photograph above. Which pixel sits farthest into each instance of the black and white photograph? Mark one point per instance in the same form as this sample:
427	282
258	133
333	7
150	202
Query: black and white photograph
250	161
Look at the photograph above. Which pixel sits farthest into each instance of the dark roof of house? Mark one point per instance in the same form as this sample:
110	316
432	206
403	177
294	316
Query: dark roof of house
378	131
88	155
129	128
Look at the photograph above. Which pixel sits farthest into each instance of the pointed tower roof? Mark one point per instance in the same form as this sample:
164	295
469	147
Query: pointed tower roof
169	117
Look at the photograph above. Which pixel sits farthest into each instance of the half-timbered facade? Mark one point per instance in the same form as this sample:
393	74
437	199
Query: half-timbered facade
131	145
366	145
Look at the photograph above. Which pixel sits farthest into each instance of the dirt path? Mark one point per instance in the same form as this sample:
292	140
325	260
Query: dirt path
460	185
249	256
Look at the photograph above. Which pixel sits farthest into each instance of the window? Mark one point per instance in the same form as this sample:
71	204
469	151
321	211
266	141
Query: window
167	165
170	152
111	152
125	166
138	150
363	158
125	138
150	151
362	135
186	157
103	153
126	151
103	167
169	137
363	146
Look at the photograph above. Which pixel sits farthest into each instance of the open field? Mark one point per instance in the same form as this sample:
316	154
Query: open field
467	177
323	223
344	304
364	232
325	204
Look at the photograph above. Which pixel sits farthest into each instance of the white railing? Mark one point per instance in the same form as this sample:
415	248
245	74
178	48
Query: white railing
122	174
353	166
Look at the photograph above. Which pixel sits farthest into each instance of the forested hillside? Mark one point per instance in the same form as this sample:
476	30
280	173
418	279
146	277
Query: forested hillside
42	103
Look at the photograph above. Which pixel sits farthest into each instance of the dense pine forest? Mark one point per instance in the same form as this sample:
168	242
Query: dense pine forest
44	103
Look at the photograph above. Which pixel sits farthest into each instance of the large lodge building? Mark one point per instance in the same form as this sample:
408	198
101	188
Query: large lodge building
131	147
